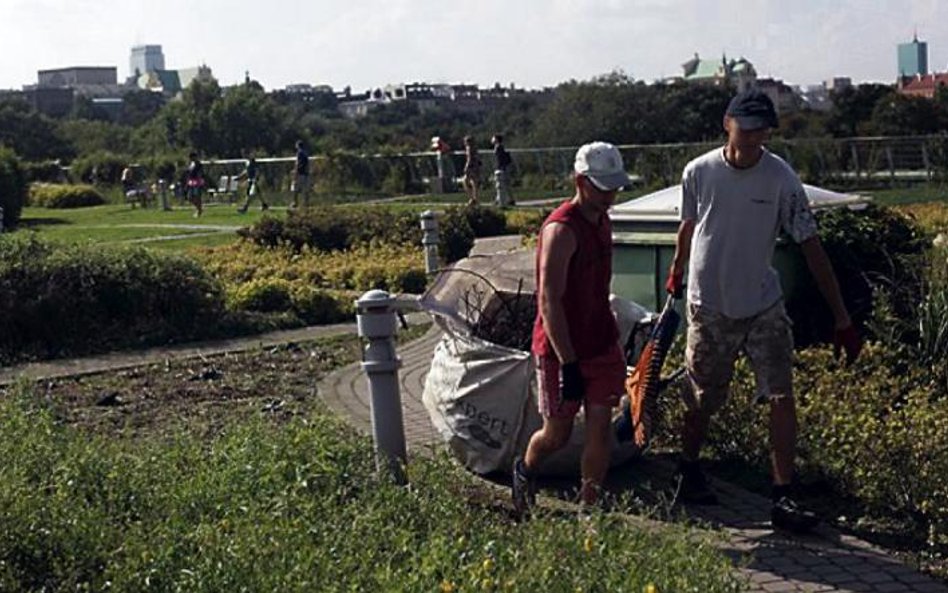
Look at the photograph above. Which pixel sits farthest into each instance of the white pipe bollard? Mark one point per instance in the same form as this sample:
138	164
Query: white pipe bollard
376	323
429	239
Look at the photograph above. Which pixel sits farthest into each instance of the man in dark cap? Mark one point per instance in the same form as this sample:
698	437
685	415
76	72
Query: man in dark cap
735	200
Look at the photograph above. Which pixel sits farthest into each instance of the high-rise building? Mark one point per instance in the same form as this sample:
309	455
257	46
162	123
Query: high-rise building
146	58
913	58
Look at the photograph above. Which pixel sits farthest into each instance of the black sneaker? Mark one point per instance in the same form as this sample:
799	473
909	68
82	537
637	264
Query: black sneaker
786	514
522	488
693	487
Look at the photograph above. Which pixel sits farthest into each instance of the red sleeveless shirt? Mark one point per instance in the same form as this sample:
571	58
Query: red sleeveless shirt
592	327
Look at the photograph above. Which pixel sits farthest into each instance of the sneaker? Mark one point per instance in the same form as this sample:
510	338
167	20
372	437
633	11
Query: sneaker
786	514
693	487
522	487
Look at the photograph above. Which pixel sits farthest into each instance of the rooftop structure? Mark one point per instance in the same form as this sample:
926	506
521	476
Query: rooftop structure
739	72
76	76
913	58
923	85
146	58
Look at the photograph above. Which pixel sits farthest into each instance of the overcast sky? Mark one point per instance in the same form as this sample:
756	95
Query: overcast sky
533	43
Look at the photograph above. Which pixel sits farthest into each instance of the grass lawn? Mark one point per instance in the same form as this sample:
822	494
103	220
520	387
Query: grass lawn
114	223
915	194
120	223
228	474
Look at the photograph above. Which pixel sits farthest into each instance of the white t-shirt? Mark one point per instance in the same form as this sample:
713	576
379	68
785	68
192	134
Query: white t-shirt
738	214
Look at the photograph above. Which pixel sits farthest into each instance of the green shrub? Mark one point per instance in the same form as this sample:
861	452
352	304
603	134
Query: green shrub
50	195
64	300
876	247
46	172
297	507
486	221
338	229
13	187
320	306
455	235
268	232
99	168
263	294
319	228
526	222
875	433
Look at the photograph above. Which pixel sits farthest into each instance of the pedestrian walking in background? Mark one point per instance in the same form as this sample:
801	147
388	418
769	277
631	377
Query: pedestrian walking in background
301	184
579	361
735	200
503	162
253	191
445	167
472	169
194	183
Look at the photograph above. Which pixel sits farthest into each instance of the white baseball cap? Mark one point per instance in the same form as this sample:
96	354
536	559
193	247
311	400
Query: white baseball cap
601	162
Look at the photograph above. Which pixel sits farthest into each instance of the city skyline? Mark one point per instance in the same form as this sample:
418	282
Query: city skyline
368	43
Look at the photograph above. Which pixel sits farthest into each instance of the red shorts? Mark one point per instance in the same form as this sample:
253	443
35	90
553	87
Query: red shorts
605	383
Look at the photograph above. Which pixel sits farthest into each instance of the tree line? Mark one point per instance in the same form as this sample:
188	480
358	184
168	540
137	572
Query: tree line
232	123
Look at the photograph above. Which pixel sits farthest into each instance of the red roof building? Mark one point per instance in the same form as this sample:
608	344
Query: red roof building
923	85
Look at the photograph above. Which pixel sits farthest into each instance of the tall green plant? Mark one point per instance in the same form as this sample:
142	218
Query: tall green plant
13	187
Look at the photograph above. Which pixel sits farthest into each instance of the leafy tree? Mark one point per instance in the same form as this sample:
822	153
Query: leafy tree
96	136
31	134
245	119
899	115
853	107
13	187
139	107
84	108
605	108
192	123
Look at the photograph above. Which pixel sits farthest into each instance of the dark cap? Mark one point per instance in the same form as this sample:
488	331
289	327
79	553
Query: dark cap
753	110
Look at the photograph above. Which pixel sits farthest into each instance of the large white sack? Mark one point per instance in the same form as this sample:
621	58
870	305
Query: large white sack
481	398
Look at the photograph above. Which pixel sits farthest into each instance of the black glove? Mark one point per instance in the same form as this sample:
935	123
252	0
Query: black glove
572	385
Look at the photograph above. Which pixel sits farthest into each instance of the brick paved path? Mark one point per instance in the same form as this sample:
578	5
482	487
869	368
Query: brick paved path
825	561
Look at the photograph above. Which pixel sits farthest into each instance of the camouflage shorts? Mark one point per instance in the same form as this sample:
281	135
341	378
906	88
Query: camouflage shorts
714	343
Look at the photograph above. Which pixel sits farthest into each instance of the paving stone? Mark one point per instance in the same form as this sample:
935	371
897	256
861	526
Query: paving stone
875	576
761	577
781	587
929	587
890	587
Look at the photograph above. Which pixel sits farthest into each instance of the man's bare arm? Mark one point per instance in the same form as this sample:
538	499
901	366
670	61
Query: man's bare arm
559	245
686	231
821	268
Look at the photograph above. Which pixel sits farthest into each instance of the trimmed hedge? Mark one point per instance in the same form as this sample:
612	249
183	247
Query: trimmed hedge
64	300
338	229
13	187
50	195
311	305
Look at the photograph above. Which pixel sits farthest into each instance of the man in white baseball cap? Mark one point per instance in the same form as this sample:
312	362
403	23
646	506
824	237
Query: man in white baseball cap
575	338
601	163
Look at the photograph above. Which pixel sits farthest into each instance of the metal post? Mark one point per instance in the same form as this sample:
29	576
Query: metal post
891	161
376	323
163	194
1	219
429	240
